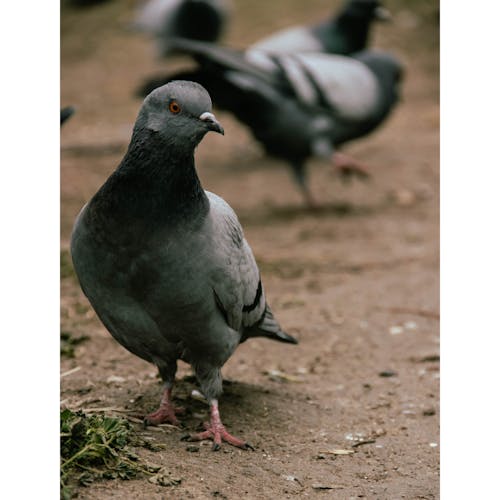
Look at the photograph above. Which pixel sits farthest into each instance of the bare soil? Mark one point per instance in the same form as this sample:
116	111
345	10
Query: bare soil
357	282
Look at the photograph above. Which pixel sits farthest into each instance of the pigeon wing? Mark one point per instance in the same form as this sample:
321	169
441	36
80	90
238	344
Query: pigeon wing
236	281
228	59
237	287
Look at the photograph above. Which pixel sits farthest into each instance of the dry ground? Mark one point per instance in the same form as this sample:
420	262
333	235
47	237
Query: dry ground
357	282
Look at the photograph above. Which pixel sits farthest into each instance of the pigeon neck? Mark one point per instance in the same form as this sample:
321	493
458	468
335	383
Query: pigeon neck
153	183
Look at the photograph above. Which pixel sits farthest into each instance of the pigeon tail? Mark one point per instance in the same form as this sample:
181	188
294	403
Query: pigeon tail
268	327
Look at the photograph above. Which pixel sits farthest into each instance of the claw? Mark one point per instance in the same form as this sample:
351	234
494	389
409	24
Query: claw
165	413
216	431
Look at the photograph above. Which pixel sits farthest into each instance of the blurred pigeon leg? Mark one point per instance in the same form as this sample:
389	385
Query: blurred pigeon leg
166	412
300	177
349	167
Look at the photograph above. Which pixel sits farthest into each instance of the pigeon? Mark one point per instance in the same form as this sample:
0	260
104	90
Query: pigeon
66	113
194	19
345	33
164	263
298	105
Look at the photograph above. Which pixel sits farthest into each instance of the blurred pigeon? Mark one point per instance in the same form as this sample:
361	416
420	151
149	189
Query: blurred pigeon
66	113
165	263
298	105
344	33
193	19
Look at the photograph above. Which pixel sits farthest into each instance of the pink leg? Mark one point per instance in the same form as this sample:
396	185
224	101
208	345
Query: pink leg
348	167
166	412
216	431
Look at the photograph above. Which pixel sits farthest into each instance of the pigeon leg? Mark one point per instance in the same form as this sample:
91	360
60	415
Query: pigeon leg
166	412
216	431
300	177
349	167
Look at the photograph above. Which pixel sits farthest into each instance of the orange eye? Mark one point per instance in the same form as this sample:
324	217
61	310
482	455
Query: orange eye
174	107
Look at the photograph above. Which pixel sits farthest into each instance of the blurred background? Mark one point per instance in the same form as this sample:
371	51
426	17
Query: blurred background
357	281
104	61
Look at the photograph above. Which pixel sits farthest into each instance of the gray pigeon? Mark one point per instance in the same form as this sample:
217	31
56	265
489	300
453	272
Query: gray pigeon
194	19
345	33
298	105
164	263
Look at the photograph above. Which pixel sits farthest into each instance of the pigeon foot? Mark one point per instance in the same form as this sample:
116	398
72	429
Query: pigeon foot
348	167
166	413
216	431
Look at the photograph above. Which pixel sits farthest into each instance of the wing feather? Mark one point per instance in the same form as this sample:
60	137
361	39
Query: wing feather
236	283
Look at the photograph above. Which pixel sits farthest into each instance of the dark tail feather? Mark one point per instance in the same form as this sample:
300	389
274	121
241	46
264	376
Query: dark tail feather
224	58
270	328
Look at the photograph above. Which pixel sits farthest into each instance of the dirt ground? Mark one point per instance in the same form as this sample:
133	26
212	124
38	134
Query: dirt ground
357	282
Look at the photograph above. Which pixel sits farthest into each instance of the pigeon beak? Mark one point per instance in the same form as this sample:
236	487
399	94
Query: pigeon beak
212	122
382	14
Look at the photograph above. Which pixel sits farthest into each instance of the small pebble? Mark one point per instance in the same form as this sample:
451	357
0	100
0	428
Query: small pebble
387	373
395	330
192	448
410	325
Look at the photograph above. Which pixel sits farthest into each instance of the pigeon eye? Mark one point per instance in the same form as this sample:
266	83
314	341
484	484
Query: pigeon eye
174	107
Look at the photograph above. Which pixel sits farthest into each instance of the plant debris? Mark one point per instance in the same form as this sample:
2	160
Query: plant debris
431	358
337	452
165	478
290	477
279	376
69	342
115	379
96	447
416	312
387	373
69	372
360	443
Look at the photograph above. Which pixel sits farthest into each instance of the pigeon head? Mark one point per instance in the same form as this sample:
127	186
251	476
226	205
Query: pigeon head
180	113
